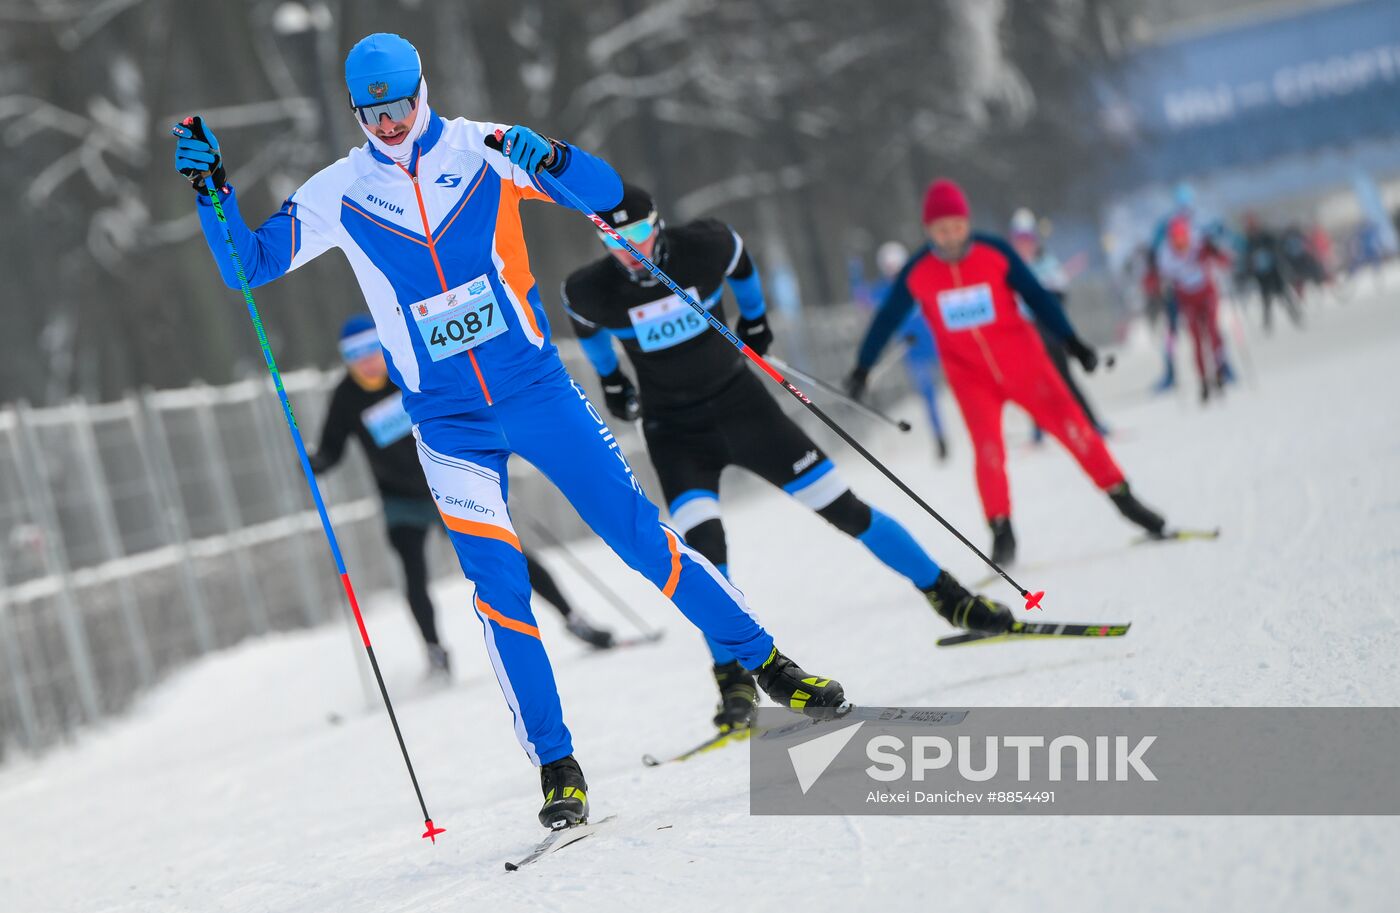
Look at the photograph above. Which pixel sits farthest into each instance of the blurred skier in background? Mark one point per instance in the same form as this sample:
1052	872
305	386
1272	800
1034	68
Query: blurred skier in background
920	354
1264	263
1183	206
967	287
1185	263
703	410
1050	273
367	406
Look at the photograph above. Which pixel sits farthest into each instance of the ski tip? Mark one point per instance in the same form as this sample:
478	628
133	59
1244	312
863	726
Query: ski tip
651	760
432	832
1033	599
512	867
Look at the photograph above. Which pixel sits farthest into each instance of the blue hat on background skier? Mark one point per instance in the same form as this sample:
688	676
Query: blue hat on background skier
380	70
358	338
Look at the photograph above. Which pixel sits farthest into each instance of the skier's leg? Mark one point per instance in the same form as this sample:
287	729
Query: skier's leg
688	463
1168	380
409	542
542	582
593	474
765	441
464	459
543	585
923	378
1195	313
1039	390
1210	329
981	404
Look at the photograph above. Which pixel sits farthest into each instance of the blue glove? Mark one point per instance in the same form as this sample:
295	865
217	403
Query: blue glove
527	149
197	153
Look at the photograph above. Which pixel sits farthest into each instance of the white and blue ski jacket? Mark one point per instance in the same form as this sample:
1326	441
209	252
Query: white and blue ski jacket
439	253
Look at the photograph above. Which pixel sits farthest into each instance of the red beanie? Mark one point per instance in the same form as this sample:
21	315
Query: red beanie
944	198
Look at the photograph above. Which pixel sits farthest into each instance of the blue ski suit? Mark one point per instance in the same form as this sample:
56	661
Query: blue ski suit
439	253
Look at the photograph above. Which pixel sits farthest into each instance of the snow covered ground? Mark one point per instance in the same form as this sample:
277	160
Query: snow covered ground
232	789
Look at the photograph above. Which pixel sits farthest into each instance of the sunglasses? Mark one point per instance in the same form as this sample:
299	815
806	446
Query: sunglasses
636	233
396	110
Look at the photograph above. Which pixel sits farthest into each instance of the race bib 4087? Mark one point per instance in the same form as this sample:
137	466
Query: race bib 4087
460	318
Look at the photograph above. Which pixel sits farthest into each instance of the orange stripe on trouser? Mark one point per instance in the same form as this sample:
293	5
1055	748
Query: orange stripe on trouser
505	621
484	530
674	580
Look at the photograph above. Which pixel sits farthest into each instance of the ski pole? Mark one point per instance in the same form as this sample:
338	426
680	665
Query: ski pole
840	394
430	832
1032	598
593	579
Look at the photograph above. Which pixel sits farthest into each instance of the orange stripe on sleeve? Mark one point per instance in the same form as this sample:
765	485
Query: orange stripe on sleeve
510	245
483	530
669	589
506	621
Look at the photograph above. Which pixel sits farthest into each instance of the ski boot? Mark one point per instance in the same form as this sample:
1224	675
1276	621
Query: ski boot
594	637
737	697
789	686
565	794
964	610
439	664
1003	541
1137	512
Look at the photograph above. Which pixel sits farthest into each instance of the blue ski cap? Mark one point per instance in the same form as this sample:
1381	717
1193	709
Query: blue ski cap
358	338
382	68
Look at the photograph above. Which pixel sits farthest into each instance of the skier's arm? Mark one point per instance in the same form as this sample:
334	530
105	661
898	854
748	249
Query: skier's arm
265	254
742	276
594	339
753	326
335	432
588	177
282	243
893	311
619	395
1043	304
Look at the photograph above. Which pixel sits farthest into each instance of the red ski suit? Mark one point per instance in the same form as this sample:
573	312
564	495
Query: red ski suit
992	354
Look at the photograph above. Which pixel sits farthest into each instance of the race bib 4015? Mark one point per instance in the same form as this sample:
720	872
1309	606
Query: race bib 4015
666	322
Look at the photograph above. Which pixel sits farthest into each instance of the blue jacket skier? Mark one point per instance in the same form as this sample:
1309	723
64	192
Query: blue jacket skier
428	216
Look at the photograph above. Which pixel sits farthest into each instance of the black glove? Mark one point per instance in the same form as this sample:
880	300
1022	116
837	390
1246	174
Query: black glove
197	153
621	397
755	333
1086	356
855	383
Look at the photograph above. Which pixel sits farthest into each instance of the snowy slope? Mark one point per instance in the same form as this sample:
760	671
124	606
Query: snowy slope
231	789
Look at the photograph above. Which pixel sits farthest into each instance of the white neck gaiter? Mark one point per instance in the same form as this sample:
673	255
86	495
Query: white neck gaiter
403	152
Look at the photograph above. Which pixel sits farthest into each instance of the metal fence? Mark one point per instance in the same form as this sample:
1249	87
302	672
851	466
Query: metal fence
143	533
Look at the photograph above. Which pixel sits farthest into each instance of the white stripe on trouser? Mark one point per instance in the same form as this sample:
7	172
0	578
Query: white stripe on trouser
489	633
823	491
694	512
